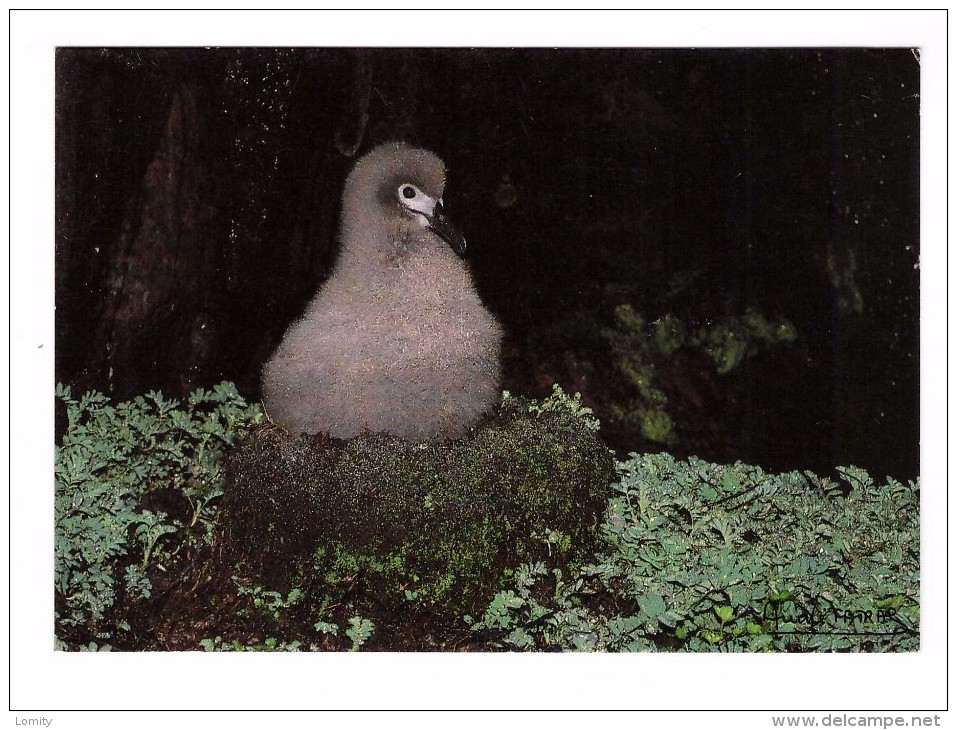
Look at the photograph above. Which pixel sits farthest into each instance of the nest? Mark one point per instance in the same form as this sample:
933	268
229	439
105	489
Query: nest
439	520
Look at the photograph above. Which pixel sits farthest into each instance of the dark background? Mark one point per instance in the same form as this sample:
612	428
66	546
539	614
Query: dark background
198	196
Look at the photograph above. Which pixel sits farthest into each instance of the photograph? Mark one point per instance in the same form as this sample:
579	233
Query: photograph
430	351
481	349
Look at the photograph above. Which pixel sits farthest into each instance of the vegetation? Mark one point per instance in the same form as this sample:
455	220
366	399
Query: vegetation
136	489
639	348
155	549
443	520
703	557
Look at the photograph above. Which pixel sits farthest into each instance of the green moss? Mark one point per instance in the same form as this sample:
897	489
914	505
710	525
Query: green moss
441	520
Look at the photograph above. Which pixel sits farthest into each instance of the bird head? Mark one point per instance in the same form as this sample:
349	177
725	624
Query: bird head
429	212
406	185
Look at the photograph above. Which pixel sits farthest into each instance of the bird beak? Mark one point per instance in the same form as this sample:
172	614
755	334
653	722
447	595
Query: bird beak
443	228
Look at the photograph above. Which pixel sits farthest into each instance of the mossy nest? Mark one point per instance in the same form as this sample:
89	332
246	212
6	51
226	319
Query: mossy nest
435	522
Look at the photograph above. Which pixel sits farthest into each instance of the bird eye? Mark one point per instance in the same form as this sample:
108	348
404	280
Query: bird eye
408	192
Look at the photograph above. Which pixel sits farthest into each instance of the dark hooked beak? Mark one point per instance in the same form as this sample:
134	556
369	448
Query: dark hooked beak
445	230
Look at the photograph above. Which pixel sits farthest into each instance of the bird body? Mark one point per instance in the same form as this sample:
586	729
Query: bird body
397	340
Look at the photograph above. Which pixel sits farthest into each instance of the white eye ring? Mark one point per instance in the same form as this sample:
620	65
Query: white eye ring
414	200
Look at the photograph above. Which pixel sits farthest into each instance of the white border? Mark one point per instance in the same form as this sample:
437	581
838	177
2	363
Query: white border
44	679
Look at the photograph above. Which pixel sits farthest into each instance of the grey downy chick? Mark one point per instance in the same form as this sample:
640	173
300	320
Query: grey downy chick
397	340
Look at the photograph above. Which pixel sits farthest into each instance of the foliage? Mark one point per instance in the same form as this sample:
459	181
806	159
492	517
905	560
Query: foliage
684	556
560	402
272	602
360	630
703	557
113	465
268	644
640	348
